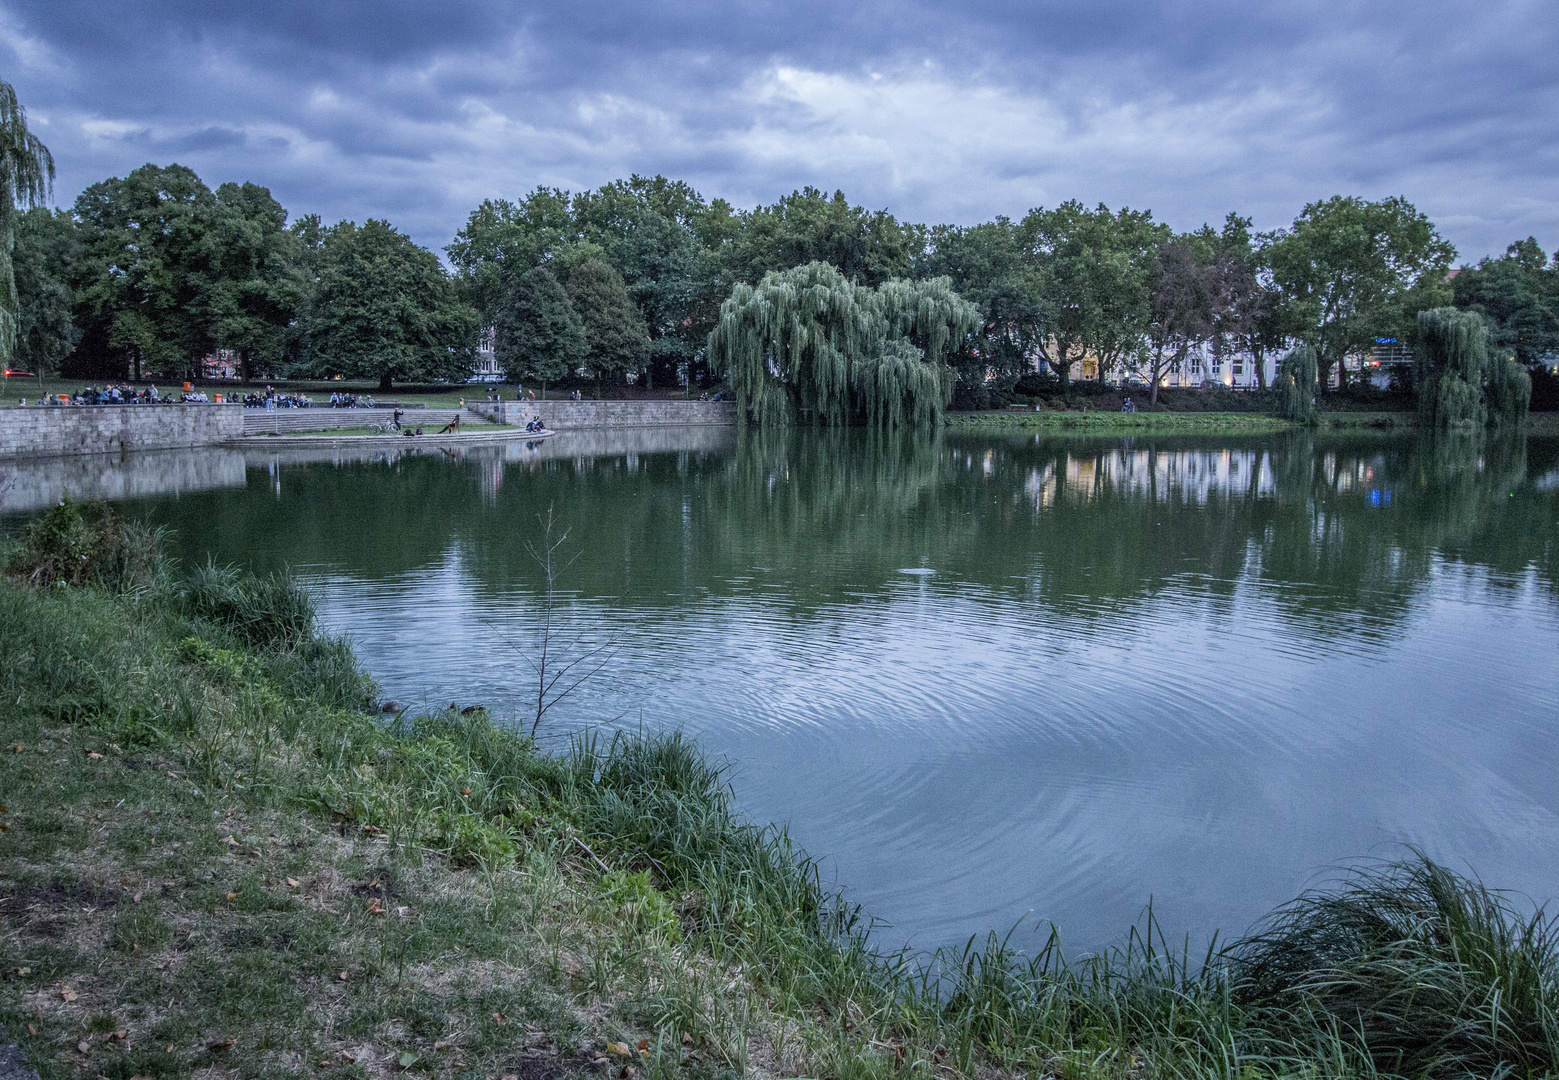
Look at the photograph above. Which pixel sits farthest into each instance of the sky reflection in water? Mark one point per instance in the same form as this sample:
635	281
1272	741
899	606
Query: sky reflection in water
993	679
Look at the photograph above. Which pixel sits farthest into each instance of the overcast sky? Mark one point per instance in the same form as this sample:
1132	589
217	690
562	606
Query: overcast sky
417	111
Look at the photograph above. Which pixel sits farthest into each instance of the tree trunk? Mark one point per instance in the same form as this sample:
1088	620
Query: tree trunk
384	383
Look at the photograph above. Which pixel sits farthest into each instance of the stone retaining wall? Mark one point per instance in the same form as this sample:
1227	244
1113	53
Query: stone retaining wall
573	415
280	421
40	431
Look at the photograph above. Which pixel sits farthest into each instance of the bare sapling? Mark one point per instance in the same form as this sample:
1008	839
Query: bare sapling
562	664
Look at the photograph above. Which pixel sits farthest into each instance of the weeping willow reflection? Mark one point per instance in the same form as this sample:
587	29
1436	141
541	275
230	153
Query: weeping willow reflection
1342	533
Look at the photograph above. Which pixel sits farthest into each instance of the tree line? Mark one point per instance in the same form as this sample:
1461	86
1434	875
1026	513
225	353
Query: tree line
153	271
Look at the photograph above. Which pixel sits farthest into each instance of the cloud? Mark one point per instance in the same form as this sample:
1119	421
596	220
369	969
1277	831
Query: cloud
417	111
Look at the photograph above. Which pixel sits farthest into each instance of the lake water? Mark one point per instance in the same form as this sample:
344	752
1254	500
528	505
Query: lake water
986	679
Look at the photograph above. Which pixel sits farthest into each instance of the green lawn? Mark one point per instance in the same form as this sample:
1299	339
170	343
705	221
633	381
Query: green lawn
1113	422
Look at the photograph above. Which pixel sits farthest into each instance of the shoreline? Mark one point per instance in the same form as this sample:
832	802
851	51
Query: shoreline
220	853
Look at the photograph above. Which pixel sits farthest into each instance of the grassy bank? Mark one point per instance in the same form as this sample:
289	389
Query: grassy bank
1112	423
219	860
1197	423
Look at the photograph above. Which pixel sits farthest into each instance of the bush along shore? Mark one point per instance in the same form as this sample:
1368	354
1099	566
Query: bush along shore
219	860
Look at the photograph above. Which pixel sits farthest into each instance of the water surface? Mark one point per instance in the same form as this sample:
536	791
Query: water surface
988	679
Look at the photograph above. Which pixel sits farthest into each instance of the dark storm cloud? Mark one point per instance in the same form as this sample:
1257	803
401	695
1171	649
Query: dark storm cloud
417	111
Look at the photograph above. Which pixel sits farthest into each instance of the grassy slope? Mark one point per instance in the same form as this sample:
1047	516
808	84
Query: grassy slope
208	839
208	843
1112	422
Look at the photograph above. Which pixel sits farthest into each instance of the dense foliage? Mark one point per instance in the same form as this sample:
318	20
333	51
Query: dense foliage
808	343
383	307
154	271
26	175
540	335
1462	380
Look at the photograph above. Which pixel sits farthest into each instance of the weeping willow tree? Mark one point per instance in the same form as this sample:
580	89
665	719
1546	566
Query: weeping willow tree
808	344
27	175
1295	385
1461	382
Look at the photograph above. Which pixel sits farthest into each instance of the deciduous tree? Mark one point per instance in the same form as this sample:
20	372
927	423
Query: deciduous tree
1351	270
990	266
1518	295
1462	381
26	175
809	344
383	308
256	286
47	251
1183	290
147	267
540	336
1096	266
616	339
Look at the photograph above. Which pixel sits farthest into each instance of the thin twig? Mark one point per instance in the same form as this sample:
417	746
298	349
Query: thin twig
604	868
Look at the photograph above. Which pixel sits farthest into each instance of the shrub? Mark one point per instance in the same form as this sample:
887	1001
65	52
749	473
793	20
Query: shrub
75	545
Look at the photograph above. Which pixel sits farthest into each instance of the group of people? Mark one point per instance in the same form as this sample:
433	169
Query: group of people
107	395
272	400
350	401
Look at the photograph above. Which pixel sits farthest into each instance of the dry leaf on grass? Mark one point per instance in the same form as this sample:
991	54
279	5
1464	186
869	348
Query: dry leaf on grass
67	994
221	1045
94	755
292	883
620	1049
